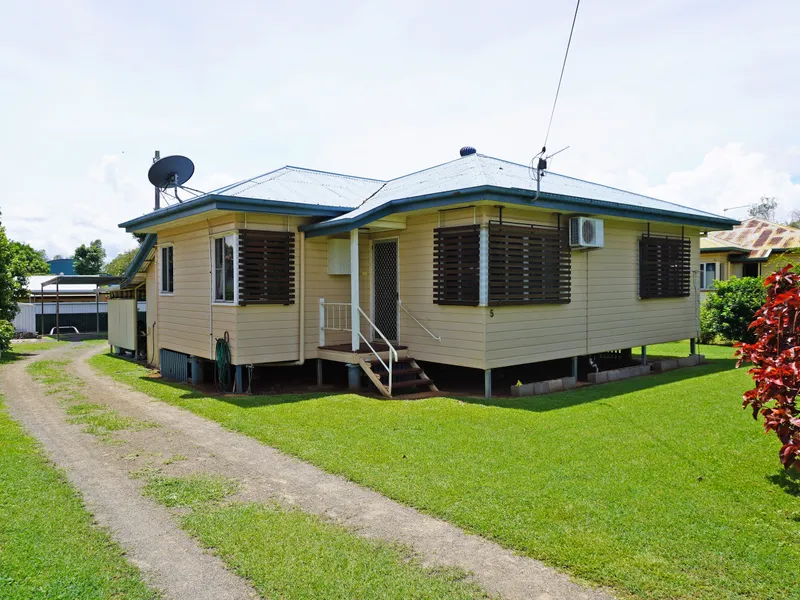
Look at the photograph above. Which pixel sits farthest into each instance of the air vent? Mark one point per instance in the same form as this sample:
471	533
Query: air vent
585	232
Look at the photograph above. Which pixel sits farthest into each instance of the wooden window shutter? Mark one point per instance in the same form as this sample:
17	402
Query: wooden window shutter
528	264
456	265
266	267
665	267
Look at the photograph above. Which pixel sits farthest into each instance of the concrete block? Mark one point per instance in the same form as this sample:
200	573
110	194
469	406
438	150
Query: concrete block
522	390
601	377
665	365
569	382
701	359
688	361
555	385
541	387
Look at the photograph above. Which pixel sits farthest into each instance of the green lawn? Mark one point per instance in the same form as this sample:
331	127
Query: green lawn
660	487
49	548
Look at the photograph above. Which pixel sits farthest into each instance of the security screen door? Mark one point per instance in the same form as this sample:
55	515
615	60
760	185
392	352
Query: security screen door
384	269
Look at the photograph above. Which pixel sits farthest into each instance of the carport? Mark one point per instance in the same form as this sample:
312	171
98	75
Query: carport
95	280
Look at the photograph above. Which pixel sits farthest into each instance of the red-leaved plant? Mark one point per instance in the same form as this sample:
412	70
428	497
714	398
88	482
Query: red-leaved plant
775	356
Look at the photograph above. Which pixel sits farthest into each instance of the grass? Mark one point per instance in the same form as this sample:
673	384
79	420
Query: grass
191	492
99	419
660	486
289	554
49	548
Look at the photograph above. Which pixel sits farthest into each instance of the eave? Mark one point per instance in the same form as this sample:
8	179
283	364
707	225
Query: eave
222	202
522	197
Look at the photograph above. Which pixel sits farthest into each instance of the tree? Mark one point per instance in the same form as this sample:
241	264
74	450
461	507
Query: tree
8	283
794	219
764	208
775	356
58	257
24	261
730	309
139	237
89	259
121	262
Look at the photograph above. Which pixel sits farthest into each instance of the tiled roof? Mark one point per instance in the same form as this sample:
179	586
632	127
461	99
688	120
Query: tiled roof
757	237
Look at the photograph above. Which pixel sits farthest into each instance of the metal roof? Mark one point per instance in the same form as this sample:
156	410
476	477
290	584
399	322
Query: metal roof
480	171
757	237
349	202
305	186
81	280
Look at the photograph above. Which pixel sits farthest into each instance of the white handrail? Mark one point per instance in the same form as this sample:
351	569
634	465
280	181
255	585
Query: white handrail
438	338
340	324
392	351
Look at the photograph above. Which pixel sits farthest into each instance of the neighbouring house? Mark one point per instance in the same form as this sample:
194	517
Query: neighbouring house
464	264
754	248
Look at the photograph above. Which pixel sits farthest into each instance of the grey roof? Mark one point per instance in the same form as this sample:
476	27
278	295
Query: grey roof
478	171
345	202
305	186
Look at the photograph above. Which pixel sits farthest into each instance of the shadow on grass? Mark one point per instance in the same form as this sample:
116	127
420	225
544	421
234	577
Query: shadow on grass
789	482
604	391
239	400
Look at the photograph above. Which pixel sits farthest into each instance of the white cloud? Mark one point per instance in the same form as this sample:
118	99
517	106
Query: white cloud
728	177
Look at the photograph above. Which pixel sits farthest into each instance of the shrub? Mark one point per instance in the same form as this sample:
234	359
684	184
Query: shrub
775	356
733	305
6	335
707	333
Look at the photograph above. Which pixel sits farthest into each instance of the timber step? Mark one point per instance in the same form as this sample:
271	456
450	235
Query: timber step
406	375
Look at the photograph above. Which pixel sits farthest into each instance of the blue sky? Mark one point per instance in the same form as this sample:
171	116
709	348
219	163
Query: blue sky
694	102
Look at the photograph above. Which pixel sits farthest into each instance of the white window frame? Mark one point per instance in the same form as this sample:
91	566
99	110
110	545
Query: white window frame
214	238
161	290
717	275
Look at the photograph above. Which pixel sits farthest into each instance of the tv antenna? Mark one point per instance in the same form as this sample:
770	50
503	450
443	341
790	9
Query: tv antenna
539	166
170	173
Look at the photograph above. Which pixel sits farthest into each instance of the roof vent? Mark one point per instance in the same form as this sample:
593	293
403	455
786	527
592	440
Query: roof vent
467	150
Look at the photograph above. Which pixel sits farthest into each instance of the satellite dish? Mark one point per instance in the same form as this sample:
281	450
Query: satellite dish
171	172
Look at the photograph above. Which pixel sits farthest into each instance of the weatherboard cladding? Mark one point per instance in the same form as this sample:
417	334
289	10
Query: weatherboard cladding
350	202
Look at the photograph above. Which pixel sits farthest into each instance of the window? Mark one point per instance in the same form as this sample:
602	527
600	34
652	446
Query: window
167	286
528	264
266	269
750	270
708	275
456	265
664	267
224	265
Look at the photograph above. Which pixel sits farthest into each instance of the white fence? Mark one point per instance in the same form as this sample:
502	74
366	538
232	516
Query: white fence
25	320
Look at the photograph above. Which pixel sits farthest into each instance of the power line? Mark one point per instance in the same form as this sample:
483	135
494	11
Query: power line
563	66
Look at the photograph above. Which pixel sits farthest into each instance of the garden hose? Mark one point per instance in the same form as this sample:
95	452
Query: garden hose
222	373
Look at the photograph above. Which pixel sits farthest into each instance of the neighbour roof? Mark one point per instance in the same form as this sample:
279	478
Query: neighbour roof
67	284
347	202
757	237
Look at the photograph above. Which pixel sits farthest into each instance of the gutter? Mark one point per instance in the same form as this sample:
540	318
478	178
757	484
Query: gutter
231	203
516	196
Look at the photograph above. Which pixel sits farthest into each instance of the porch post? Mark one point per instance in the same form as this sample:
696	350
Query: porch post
97	307
487	383
355	317
58	328
42	310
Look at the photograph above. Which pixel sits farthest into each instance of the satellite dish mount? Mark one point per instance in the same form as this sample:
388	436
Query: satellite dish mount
170	173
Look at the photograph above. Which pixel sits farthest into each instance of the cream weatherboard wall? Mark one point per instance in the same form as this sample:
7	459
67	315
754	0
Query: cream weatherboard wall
151	314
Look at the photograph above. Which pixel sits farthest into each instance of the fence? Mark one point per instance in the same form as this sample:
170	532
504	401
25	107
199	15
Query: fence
25	320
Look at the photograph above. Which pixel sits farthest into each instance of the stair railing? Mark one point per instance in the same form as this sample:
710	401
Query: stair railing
392	351
438	338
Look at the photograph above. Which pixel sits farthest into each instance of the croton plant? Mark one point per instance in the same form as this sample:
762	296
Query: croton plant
775	356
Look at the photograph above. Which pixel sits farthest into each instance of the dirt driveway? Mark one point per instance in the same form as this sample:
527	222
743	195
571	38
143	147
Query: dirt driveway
171	560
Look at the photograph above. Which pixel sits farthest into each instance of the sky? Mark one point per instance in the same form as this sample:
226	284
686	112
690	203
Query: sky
694	102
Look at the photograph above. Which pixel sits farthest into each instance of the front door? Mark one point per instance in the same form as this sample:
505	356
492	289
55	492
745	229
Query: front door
384	285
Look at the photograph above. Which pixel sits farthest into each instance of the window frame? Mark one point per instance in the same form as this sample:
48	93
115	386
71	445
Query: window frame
235	245
668	266
704	287
161	263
